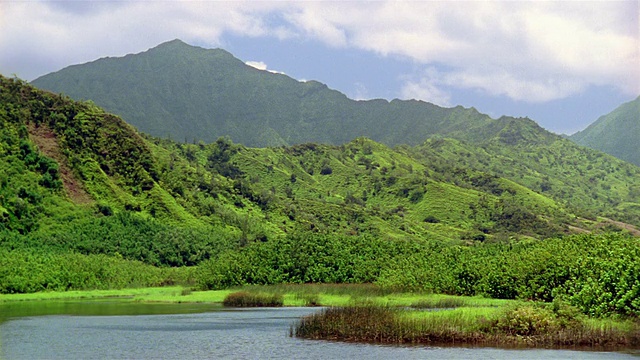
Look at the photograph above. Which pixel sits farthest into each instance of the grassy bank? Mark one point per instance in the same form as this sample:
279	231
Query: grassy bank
292	295
368	313
168	294
518	324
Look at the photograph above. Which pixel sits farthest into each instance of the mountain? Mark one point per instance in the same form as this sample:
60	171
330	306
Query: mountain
616	133
189	93
63	157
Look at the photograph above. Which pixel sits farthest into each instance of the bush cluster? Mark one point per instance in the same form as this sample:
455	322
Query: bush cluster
596	273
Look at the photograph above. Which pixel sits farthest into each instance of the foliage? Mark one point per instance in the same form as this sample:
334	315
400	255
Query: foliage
24	271
128	236
299	259
250	299
597	274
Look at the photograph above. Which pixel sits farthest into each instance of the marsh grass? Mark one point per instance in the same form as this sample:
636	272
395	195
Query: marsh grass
522	325
293	295
93	294
252	299
353	290
309	299
441	303
186	291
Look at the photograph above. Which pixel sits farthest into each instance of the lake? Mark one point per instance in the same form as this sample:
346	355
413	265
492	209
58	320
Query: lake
119	329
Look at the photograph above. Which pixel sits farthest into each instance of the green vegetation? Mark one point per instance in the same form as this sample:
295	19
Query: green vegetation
291	294
26	271
616	133
88	203
530	325
252	299
597	274
224	97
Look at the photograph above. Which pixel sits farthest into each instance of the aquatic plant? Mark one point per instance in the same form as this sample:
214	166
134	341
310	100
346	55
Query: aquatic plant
251	299
528	325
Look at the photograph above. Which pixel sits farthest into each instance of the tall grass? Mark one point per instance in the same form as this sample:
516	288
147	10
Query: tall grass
252	299
440	303
521	325
355	290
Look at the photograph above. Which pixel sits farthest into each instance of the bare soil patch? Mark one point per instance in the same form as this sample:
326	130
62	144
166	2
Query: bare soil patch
47	143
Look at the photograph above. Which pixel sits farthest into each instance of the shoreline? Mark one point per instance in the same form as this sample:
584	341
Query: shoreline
522	325
402	318
296	295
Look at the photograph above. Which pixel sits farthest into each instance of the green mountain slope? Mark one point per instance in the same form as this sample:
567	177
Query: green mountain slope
588	182
188	93
62	157
616	133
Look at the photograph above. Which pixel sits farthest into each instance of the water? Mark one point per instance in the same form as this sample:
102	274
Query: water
125	330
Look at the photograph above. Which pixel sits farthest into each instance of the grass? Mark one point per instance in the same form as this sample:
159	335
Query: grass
444	303
292	295
518	324
252	299
170	294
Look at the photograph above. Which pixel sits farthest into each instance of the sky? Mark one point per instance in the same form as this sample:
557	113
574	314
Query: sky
560	63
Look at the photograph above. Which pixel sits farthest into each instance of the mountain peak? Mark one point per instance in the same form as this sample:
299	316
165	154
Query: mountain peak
174	42
181	46
191	93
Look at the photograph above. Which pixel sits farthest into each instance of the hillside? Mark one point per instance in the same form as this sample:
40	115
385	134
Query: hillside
587	181
63	157
74	157
203	94
188	93
616	133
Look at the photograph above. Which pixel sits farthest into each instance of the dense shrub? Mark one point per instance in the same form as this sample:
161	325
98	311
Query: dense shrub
25	271
600	274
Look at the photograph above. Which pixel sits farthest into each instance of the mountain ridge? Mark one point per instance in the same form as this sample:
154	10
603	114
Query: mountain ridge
269	112
214	90
393	190
615	133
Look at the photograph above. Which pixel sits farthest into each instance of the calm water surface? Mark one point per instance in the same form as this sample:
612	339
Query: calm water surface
124	330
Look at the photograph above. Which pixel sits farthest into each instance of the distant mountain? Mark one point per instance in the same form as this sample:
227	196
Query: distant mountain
188	93
617	133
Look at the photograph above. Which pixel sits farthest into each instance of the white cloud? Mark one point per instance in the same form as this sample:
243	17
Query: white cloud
429	87
257	64
426	91
530	51
361	92
262	66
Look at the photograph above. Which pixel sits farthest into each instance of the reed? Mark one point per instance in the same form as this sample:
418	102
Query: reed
309	299
252	299
441	303
522	325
